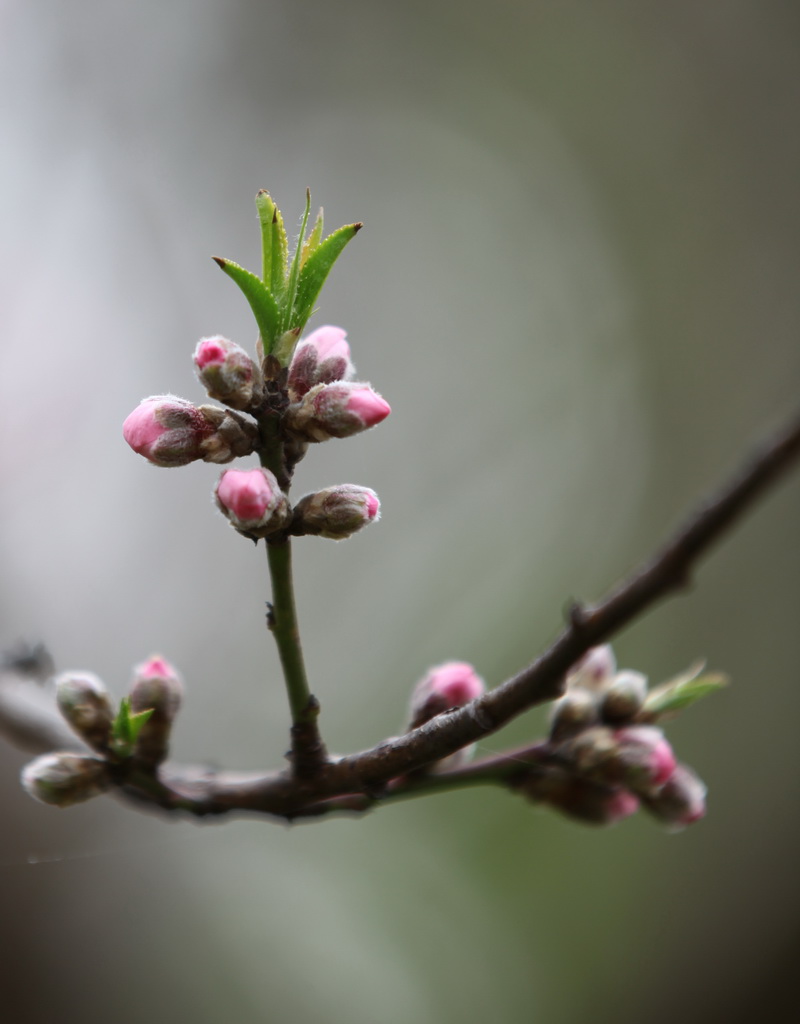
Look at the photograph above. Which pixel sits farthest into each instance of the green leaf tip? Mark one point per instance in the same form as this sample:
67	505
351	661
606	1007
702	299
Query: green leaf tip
126	728
263	305
316	269
682	691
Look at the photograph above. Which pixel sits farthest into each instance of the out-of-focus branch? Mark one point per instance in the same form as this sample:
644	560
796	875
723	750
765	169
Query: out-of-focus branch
390	770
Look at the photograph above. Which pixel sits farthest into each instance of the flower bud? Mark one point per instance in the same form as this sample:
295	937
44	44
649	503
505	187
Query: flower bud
252	500
170	431
576	711
625	697
341	409
644	757
65	779
336	512
85	703
157	687
227	372
681	800
594	670
321	358
582	799
446	686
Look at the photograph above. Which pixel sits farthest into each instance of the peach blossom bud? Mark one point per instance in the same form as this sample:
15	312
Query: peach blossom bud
625	697
85	703
336	410
681	801
252	501
166	430
321	358
644	757
227	372
446	686
594	670
157	687
65	779
336	512
577	710
589	802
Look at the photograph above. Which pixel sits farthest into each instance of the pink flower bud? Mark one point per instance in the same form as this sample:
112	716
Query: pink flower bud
589	802
336	512
227	372
595	669
644	756
157	687
166	430
681	801
84	702
252	500
624	697
446	686
65	779
336	410
321	358
577	710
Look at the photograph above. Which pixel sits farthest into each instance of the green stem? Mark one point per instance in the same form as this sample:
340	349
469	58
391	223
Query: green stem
285	630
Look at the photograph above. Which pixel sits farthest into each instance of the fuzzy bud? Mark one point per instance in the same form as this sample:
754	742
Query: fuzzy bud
227	372
340	409
252	501
321	358
637	757
577	710
157	687
446	686
595	669
625	697
681	801
85	703
582	799
336	512
170	431
65	779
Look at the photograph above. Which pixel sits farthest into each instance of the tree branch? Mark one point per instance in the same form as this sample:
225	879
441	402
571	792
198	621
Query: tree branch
357	782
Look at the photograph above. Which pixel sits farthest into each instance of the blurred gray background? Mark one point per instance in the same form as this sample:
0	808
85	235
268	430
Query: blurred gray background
577	287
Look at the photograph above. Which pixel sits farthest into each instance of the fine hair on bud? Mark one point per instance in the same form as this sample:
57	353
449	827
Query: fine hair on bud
624	697
65	779
681	801
336	512
227	372
322	357
595	669
169	432
339	410
252	501
86	705
575	711
157	688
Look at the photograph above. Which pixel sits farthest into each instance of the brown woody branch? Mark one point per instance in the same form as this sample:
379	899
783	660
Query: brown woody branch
390	770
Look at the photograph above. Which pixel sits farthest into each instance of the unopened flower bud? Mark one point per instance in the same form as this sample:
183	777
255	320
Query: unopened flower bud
85	703
681	800
336	512
594	670
321	358
589	802
252	500
625	697
446	686
227	372
644	757
577	710
170	431
341	409
156	687
65	779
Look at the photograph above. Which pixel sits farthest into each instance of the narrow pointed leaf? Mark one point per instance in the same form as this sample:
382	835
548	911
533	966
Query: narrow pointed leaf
316	269
313	239
280	257
291	288
266	213
261	302
679	693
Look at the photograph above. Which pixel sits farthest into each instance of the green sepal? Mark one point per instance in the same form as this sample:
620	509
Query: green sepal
682	691
126	728
316	269
313	240
291	287
261	302
266	213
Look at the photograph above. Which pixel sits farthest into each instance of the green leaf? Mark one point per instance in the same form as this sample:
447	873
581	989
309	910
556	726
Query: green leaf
261	302
280	257
266	213
291	288
126	728
313	240
682	691
316	269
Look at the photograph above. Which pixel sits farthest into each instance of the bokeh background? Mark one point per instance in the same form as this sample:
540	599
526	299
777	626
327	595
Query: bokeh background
577	287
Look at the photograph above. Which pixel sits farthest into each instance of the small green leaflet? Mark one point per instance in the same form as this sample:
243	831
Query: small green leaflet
126	728
315	269
682	691
261	302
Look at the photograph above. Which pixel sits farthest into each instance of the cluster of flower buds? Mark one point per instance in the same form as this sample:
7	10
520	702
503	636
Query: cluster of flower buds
135	738
606	758
442	688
